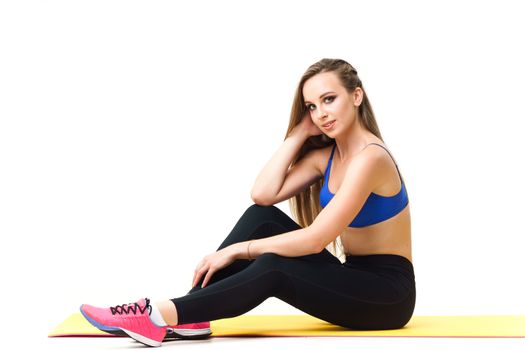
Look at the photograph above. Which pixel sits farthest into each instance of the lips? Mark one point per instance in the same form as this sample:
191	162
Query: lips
329	124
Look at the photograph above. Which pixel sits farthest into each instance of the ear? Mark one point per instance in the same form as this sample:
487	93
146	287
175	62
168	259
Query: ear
358	96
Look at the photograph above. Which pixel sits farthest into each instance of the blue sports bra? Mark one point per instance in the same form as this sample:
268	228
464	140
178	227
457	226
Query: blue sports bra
377	208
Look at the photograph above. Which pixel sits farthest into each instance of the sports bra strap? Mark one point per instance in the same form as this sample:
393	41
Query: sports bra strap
373	143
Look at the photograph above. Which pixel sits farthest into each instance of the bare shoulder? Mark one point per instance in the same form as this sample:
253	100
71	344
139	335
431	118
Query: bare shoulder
378	153
383	165
372	155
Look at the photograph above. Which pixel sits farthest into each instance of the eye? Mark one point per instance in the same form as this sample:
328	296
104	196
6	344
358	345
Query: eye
331	98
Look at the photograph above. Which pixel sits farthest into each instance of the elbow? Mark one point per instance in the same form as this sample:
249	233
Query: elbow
258	199
316	243
319	247
315	247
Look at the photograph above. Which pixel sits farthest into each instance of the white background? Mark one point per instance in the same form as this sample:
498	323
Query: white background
131	134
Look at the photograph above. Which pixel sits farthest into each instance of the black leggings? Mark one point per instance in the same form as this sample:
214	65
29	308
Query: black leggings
366	292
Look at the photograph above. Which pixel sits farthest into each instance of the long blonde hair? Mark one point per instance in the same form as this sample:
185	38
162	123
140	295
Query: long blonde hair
305	206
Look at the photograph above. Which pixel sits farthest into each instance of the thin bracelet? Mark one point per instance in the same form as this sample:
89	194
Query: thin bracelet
248	250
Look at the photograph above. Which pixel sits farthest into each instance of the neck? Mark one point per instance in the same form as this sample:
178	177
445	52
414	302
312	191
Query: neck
351	142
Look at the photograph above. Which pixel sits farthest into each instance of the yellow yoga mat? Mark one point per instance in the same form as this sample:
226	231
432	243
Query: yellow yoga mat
306	325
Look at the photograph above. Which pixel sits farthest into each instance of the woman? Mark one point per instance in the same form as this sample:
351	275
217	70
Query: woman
344	187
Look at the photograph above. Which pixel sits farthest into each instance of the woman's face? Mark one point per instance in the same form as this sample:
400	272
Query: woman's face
328	102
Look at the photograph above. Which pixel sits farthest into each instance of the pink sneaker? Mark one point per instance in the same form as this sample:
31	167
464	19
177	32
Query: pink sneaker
105	320
133	319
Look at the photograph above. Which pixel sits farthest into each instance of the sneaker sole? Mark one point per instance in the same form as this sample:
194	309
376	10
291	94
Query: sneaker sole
181	333
142	339
171	334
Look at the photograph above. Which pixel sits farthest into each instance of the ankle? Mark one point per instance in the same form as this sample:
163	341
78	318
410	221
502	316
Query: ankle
156	317
168	312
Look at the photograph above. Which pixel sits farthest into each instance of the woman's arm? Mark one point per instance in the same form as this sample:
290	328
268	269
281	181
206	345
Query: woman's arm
361	177
293	243
271	178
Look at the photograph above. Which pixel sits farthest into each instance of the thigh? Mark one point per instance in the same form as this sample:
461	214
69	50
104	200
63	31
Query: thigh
259	222
342	295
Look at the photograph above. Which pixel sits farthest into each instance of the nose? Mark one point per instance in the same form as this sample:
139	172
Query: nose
321	114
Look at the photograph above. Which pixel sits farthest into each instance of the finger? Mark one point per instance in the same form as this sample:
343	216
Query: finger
196	277
200	273
196	274
207	277
193	281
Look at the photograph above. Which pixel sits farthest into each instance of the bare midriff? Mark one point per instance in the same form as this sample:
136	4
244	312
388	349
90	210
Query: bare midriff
392	236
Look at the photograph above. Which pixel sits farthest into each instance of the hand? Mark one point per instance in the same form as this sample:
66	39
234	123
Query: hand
307	126
212	263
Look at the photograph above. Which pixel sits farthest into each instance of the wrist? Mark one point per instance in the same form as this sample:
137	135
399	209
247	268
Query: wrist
240	249
243	250
249	256
299	134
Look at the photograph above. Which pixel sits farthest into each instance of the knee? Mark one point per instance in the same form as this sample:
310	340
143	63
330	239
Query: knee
262	210
271	261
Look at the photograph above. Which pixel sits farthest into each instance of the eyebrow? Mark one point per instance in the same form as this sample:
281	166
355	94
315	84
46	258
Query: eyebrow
326	93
